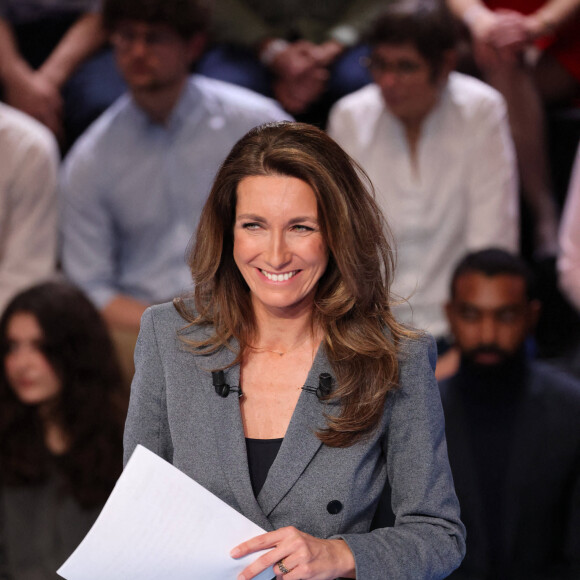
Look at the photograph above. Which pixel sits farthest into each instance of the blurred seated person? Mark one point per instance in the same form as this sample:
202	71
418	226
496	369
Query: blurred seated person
569	258
569	268
134	184
29	162
437	149
506	36
61	422
513	430
53	64
301	52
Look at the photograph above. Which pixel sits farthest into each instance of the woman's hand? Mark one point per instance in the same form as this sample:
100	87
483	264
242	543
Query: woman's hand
306	557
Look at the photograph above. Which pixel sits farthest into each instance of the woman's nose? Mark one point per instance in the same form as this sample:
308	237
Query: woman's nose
278	251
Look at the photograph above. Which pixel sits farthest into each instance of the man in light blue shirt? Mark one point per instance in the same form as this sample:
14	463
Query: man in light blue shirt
135	183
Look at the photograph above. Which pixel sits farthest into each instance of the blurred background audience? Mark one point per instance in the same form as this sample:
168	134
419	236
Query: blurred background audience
305	54
62	410
505	37
133	186
569	259
513	430
29	163
569	267
54	64
437	148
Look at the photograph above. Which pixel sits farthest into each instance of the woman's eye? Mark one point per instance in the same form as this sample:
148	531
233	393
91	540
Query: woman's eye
302	228
251	226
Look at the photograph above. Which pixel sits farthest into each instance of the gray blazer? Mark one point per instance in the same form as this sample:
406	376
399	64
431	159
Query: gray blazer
327	492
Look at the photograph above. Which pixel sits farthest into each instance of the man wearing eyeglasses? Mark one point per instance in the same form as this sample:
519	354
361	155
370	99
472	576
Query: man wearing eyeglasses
436	146
135	183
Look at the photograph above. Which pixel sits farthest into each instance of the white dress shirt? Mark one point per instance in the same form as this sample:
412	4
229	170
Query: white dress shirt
29	161
460	196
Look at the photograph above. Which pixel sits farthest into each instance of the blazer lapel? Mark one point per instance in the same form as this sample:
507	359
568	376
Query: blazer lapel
229	431
297	450
300	442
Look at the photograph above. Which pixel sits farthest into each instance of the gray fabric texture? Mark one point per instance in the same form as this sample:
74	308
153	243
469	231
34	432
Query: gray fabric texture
175	412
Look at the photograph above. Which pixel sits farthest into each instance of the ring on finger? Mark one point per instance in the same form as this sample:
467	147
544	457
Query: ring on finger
281	566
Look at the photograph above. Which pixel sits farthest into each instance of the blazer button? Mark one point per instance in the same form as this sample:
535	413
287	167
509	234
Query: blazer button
334	507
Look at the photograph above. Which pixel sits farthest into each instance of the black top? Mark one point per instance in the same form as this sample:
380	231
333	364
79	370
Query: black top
261	455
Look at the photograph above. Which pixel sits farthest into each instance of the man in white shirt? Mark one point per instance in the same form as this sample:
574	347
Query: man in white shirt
28	210
437	148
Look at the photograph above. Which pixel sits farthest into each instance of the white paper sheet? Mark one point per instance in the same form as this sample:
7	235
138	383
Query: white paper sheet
160	524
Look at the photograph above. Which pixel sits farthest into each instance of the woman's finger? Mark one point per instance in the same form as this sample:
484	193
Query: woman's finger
257	543
268	560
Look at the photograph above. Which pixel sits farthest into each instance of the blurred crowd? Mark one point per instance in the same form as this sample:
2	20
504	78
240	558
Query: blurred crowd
115	116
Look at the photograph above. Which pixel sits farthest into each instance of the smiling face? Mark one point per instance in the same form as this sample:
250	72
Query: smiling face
278	245
27	369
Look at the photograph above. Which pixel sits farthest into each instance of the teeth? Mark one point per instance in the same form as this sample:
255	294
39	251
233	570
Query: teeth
279	277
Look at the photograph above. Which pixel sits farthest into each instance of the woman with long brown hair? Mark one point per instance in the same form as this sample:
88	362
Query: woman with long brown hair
286	387
62	408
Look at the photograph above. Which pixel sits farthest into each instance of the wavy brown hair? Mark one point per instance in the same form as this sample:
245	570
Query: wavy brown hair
351	305
91	407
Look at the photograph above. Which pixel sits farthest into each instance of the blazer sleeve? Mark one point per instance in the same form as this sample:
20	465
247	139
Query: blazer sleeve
147	421
428	538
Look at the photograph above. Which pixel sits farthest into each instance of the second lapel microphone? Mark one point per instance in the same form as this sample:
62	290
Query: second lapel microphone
221	387
324	386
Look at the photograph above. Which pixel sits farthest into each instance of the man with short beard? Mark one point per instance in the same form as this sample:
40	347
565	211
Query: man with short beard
513	430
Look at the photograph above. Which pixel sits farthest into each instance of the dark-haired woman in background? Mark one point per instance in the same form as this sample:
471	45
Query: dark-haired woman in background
61	419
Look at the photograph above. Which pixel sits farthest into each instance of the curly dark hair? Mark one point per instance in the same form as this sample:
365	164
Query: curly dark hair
91	407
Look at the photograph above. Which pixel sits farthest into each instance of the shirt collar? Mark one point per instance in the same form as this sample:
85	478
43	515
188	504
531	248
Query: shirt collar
187	109
188	106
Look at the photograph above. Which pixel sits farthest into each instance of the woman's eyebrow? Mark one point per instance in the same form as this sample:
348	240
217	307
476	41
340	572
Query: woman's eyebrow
250	216
294	220
305	218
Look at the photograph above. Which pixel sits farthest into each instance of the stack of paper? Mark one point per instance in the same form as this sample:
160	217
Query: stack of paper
160	524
